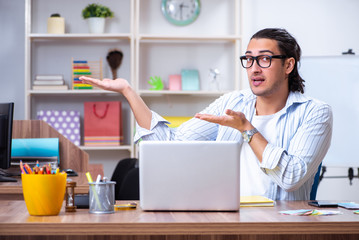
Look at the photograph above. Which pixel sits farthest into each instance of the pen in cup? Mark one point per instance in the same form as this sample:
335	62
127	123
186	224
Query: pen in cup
89	179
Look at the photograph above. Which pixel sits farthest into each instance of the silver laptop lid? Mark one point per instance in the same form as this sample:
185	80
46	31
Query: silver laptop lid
189	176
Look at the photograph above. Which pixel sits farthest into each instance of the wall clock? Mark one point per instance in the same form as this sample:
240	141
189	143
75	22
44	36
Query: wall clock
181	12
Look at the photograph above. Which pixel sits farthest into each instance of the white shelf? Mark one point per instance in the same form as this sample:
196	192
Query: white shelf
150	93
40	47
151	47
80	36
149	37
71	92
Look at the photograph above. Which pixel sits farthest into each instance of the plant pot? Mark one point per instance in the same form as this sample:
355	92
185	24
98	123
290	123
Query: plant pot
96	24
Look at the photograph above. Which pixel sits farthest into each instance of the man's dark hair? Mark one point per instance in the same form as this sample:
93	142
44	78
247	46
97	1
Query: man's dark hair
288	46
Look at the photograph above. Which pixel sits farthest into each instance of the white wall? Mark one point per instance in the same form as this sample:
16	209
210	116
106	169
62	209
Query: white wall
12	50
322	27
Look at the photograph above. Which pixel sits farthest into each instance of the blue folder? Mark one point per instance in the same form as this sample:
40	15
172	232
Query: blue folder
35	147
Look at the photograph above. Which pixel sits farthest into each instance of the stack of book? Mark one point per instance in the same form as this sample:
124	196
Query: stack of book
49	82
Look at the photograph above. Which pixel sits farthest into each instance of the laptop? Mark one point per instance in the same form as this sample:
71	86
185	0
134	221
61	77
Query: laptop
189	176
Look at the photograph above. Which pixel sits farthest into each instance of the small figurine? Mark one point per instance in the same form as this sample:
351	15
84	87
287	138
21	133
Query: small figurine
213	79
156	83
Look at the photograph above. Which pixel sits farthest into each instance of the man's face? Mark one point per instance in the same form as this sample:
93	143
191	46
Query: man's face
267	82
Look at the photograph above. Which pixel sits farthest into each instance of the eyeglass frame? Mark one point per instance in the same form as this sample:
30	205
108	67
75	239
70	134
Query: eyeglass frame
256	59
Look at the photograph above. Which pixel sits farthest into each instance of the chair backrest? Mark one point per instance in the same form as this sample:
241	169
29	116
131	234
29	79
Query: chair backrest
313	192
130	187
123	168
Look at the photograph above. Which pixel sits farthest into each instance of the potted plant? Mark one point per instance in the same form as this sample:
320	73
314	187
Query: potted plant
96	15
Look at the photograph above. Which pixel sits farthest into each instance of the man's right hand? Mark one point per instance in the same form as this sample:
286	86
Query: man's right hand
117	85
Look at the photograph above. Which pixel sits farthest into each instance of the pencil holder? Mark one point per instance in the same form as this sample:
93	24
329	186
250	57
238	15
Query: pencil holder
102	197
44	194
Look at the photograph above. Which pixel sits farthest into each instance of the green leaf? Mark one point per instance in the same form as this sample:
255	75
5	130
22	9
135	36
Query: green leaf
96	10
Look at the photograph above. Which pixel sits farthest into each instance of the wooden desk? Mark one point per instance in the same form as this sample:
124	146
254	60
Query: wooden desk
250	223
13	190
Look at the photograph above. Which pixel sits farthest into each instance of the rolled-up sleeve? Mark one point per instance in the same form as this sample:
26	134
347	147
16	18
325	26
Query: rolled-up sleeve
158	130
302	150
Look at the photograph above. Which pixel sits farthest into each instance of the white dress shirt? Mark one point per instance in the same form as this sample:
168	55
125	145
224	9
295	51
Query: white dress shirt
303	136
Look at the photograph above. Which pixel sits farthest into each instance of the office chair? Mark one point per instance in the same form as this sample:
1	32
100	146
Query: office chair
126	176
129	189
313	192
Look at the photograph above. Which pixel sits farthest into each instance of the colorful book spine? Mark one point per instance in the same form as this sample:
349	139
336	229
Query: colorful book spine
103	141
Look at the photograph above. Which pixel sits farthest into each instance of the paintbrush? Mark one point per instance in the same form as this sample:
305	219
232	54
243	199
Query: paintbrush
114	59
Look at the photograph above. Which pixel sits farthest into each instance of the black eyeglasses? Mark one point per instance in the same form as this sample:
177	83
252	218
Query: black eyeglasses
264	61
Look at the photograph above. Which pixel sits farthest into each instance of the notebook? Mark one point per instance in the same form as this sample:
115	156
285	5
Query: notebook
256	201
189	176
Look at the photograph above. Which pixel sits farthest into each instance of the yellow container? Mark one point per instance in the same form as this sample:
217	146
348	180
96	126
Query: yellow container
56	25
44	194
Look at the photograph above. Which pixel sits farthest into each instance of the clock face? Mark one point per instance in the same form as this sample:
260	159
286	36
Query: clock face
181	12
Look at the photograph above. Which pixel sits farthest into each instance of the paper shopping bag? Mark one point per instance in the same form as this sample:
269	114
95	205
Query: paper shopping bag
103	124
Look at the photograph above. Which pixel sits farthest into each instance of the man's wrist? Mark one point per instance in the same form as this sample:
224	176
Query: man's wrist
246	127
126	91
248	134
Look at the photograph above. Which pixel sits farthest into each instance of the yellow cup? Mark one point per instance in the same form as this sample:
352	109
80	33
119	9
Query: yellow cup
44	194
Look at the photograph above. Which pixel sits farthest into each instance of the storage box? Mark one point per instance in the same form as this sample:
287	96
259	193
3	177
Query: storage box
65	122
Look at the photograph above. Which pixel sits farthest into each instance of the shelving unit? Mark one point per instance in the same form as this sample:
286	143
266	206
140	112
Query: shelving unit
142	33
212	41
76	42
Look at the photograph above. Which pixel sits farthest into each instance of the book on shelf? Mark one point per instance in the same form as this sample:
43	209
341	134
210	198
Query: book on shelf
49	77
256	201
50	87
48	82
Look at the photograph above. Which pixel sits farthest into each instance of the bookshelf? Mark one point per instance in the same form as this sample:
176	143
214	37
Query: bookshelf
143	34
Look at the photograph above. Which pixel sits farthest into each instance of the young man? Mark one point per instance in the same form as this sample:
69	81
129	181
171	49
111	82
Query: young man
284	134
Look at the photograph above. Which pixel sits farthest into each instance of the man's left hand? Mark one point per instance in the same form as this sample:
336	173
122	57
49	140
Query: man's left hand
232	119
